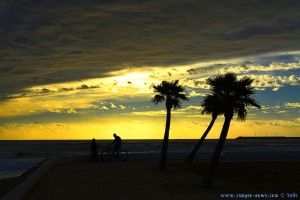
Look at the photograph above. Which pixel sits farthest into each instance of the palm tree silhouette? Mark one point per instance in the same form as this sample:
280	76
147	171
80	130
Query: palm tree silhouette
235	96
211	105
172	93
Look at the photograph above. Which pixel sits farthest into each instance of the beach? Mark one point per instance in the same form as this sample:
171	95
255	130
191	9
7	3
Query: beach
248	166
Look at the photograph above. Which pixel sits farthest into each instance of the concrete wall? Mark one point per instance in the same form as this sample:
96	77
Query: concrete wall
22	188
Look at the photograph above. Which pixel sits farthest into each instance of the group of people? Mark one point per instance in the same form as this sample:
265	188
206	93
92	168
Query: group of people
117	145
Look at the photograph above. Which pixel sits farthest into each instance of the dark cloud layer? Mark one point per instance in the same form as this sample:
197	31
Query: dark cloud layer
48	41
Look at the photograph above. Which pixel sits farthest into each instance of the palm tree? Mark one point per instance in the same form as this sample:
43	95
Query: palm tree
211	105
235	96
172	93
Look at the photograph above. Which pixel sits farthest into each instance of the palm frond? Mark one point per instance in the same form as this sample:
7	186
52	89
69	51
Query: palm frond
176	104
223	84
252	102
157	99
182	96
241	112
212	104
171	92
234	96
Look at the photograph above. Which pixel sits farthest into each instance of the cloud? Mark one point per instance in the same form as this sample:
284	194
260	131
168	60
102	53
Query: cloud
275	82
261	82
189	112
284	123
282	111
292	105
192	108
270	111
100	58
42	45
196	83
83	87
195	94
65	89
243	67
112	105
55	110
103	108
72	110
150	113
254	31
122	107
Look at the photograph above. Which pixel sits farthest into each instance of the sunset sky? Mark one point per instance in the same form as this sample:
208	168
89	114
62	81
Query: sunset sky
78	69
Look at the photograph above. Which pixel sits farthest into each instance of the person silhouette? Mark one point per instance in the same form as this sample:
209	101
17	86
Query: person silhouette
94	152
117	144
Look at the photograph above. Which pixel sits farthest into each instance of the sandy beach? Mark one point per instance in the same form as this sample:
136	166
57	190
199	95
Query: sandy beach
141	180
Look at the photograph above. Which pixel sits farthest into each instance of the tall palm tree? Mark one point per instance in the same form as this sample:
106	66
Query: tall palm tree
235	98
211	105
172	93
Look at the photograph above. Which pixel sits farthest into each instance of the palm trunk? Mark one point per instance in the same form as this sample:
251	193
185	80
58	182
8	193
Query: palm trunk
192	155
209	176
164	150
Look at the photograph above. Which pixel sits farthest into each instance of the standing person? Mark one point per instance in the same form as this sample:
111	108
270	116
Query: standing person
94	152
117	144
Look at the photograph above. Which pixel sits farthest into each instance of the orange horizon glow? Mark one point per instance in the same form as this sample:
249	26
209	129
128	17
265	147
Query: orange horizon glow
135	129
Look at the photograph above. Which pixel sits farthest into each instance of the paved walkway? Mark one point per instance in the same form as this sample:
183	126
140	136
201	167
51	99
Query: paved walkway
128	180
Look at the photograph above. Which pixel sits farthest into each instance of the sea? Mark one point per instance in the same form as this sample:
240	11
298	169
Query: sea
17	156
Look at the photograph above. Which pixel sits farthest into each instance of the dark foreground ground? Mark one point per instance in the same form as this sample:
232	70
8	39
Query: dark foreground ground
140	180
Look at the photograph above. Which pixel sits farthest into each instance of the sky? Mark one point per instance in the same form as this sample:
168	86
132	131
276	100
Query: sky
78	69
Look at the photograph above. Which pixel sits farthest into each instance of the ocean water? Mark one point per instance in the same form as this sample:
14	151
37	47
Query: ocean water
62	147
18	156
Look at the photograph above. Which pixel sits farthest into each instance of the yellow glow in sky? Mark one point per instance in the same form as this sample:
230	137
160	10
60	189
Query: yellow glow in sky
120	103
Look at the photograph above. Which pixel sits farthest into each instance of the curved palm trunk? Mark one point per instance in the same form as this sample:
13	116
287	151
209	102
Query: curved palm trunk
192	155
209	176
164	150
